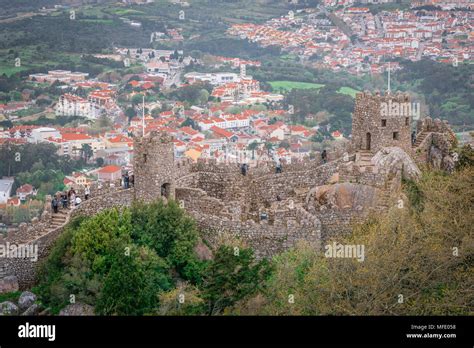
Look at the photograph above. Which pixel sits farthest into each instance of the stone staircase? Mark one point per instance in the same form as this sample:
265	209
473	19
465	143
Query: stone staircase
59	219
384	200
420	138
364	158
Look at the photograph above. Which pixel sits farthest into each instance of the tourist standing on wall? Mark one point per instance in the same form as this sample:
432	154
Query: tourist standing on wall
126	181
54	204
64	200
73	199
324	156
87	192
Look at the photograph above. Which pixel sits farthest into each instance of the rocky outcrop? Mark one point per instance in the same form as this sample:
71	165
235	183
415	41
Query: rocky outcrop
25	305
202	251
77	309
391	159
33	310
342	196
26	300
9	284
8	308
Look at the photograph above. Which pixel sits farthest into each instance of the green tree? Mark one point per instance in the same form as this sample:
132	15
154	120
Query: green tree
86	152
232	276
99	161
252	147
130	113
132	285
166	229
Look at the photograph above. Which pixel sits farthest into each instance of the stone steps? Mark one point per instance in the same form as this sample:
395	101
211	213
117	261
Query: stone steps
420	138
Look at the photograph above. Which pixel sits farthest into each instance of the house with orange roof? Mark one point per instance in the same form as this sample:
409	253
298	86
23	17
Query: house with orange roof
193	153
119	141
179	146
297	130
337	135
76	180
24	191
271	131
221	133
109	173
73	142
205	124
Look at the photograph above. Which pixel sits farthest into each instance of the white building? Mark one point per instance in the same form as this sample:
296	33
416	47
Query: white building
212	78
72	105
39	135
6	185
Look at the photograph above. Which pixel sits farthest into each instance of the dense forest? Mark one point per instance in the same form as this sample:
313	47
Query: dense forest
447	88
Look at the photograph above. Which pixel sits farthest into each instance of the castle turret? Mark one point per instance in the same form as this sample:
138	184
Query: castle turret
382	120
153	167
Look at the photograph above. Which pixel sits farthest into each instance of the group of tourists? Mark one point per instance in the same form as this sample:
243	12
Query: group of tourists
69	199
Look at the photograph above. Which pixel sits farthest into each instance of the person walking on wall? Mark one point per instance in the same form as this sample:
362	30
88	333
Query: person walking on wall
64	200
87	192
55	204
324	156
73	199
126	181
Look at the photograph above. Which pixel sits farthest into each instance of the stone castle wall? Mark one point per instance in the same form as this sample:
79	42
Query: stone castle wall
267	239
435	148
25	269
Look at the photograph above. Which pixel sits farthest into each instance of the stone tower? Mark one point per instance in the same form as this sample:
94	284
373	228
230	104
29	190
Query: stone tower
381	120
153	167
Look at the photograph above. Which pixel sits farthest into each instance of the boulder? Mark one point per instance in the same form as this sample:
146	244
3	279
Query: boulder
26	300
8	308
333	179
33	310
9	284
391	159
343	196
77	309
202	251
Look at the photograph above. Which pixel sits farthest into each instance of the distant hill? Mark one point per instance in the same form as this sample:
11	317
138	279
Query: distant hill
8	7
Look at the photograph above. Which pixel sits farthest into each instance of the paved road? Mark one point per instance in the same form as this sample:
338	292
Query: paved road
340	24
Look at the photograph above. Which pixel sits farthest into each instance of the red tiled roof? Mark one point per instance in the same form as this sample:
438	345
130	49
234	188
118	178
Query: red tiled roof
221	132
121	139
24	188
109	169
74	136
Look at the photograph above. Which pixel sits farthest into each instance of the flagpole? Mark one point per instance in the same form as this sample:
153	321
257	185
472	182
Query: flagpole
143	117
388	89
